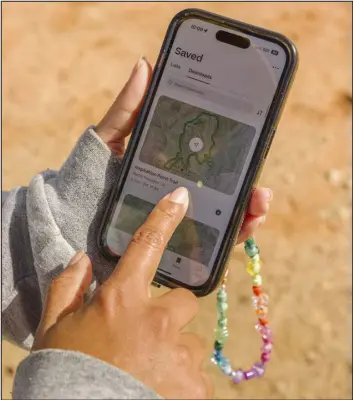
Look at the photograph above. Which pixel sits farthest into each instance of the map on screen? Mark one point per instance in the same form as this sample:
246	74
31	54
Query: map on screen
197	145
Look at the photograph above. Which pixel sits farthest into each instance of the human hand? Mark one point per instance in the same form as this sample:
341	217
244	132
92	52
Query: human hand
117	124
122	324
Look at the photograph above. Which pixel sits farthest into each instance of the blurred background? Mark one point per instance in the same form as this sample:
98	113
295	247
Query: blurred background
63	64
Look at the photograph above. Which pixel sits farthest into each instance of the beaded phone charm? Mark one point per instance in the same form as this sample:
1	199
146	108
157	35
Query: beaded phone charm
260	303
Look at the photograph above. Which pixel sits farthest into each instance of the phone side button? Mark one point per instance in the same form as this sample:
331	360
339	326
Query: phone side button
160	63
266	151
157	285
269	144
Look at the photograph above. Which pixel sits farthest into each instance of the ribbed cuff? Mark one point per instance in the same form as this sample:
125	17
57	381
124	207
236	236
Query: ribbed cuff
91	166
65	209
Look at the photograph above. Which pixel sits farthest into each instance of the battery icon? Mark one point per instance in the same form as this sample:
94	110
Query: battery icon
274	52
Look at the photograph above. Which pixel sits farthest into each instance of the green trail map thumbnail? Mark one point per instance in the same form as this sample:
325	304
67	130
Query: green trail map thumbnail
197	145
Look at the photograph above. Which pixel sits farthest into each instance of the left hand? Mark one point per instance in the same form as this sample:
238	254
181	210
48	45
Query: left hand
117	124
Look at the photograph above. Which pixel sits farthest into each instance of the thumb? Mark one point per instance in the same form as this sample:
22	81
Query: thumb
120	118
66	292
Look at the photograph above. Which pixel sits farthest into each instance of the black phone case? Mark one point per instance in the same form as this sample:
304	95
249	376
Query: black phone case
257	161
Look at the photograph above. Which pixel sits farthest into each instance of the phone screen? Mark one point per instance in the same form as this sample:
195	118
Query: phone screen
204	122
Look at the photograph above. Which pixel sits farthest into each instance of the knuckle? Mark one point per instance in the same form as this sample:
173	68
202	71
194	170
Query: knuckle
189	297
112	298
150	237
105	300
191	349
160	321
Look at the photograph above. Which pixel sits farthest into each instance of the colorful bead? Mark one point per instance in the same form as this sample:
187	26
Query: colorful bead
238	376
222	323
260	309
265	357
250	374
221	334
267	348
262	313
252	251
263	299
251	248
255	258
250	242
222	315
222	307
257	290
259	368
218	355
222	296
225	366
257	280
264	331
218	345
254	301
260	303
227	370
253	267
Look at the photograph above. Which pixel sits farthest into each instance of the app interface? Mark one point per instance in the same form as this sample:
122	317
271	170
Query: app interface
201	132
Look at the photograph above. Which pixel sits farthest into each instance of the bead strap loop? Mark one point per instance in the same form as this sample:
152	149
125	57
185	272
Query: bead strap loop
260	303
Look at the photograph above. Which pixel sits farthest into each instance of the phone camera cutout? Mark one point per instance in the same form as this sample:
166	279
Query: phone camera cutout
233	39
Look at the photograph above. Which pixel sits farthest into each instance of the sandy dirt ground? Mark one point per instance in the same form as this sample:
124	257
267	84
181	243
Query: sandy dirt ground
62	66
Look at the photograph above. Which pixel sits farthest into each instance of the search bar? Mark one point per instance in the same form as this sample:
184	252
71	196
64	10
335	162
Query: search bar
232	102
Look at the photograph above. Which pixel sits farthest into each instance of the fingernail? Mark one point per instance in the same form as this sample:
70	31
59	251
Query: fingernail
269	195
180	196
142	60
77	257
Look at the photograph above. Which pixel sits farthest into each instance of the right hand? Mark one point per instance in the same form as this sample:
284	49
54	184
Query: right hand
122	324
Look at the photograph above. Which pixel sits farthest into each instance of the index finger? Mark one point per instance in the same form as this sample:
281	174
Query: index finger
140	261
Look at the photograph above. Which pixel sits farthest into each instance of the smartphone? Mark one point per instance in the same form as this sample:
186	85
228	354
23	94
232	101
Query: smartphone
206	123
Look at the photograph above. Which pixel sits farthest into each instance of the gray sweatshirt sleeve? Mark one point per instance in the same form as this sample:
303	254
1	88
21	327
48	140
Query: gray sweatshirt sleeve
55	374
43	225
